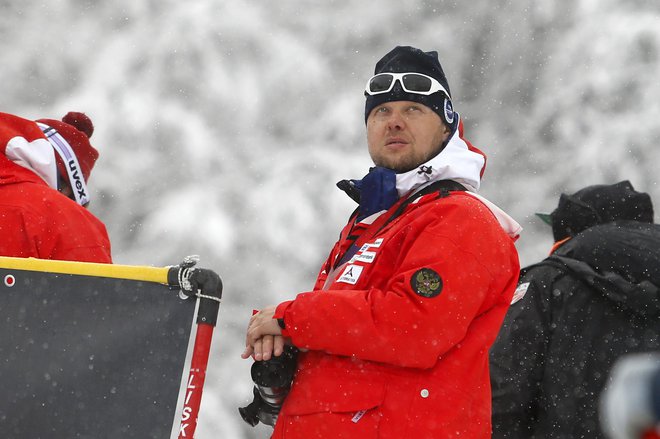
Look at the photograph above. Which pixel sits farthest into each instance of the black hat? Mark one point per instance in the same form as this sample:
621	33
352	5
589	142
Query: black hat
404	59
598	204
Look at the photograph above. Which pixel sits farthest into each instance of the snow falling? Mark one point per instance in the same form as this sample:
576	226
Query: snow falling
223	126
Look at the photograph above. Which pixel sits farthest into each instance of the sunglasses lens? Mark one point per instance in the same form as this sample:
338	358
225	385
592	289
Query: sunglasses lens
417	83
380	83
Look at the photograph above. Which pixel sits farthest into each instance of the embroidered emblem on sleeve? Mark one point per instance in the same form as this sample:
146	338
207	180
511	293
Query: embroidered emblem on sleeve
426	283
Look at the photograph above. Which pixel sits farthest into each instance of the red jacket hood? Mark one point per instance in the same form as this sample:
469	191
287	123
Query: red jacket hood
11	173
23	142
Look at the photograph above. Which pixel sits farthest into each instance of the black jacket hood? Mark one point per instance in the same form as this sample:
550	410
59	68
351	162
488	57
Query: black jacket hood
621	260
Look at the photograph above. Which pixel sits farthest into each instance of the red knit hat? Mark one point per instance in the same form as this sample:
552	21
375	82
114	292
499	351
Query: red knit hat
76	128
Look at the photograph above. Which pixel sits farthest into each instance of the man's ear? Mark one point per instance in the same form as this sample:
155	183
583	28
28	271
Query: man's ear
445	129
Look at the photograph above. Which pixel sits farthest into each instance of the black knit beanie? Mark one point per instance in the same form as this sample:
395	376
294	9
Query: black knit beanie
599	204
403	59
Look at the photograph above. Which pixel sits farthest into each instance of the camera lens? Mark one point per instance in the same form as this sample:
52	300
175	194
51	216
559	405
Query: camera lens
276	372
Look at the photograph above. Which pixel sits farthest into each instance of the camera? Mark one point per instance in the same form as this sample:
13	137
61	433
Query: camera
272	379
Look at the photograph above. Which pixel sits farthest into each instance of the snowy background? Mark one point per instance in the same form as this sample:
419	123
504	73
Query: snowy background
223	126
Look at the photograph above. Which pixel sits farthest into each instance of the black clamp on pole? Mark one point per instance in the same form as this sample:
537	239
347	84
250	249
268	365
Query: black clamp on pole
198	282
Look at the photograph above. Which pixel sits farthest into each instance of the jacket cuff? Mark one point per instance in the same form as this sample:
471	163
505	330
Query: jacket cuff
280	311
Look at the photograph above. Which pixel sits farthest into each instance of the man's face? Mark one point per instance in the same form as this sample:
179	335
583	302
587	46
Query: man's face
403	134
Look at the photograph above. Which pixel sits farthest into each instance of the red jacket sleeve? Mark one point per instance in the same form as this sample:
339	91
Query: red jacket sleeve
390	321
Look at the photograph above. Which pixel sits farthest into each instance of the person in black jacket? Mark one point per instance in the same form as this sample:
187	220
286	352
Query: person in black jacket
595	298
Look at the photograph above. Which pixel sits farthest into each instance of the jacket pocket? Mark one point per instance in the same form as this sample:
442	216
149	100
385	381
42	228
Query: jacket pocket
314	396
330	425
332	399
346	411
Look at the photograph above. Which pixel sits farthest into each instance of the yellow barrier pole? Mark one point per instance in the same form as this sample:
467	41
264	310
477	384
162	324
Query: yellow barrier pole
131	272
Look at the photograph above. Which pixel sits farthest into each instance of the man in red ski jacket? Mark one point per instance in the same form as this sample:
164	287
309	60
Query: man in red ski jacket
44	167
394	337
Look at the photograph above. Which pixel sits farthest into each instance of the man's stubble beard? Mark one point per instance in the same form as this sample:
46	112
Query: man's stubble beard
404	164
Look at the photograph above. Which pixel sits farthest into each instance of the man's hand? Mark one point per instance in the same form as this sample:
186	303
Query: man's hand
264	336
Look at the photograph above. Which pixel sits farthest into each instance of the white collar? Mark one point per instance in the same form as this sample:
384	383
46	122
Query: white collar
455	162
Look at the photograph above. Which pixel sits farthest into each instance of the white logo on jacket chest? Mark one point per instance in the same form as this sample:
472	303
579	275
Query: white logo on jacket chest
367	257
351	274
365	254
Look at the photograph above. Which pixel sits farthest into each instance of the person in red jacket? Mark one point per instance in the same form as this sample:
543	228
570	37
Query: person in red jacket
394	337
44	167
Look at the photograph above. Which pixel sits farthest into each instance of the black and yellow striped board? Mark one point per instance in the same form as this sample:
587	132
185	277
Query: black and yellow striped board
90	350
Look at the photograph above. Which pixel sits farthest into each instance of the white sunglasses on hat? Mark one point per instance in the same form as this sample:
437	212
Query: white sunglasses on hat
411	82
